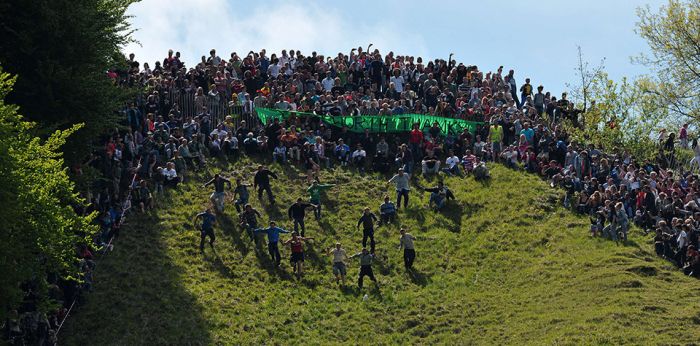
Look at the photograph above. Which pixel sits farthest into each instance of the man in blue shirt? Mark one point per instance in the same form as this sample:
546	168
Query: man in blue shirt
387	211
207	228
273	237
528	132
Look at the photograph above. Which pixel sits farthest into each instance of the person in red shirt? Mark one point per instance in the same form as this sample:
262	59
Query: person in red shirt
296	242
415	141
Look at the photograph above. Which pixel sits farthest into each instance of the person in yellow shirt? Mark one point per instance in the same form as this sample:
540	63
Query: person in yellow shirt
495	138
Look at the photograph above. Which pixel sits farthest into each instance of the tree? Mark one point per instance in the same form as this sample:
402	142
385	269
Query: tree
40	229
61	51
673	34
621	115
581	93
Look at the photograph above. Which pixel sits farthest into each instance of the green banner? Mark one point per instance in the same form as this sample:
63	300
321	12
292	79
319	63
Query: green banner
376	123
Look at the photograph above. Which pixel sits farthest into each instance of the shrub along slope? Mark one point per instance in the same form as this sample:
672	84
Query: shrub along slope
502	264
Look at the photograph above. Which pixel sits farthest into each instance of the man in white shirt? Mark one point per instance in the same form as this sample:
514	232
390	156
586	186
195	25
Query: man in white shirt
219	131
409	252
358	158
339	268
398	81
452	163
328	83
171	178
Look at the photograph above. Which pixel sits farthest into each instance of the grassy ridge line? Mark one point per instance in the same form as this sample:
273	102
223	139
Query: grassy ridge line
503	265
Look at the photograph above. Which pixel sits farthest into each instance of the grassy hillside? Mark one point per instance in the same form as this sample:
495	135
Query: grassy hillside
502	265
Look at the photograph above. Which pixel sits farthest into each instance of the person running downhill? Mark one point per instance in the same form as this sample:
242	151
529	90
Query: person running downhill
249	220
409	252
365	266
315	196
273	237
401	181
339	267
207	228
261	181
217	198
297	259
297	213
367	221
242	191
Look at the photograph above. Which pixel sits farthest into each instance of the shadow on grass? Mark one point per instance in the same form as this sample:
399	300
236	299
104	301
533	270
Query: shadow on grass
139	297
418	277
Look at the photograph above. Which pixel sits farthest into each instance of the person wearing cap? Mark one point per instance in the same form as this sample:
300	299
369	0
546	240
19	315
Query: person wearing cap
339	267
273	237
401	182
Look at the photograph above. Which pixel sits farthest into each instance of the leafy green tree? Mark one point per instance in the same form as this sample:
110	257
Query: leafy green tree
40	229
673	34
61	50
620	116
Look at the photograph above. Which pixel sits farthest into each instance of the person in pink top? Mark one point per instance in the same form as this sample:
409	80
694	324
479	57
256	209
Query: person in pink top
683	136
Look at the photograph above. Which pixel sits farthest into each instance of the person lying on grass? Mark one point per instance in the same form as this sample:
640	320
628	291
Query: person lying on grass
439	195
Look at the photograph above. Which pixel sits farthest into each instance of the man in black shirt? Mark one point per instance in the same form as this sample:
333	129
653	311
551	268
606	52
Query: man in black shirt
217	198
297	212
261	181
367	221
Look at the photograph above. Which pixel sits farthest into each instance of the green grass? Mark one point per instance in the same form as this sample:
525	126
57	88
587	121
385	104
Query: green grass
503	265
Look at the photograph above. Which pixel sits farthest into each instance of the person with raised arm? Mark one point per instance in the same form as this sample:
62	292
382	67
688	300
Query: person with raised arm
273	237
296	243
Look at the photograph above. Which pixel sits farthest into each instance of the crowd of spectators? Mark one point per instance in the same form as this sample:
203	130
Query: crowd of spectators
522	127
186	116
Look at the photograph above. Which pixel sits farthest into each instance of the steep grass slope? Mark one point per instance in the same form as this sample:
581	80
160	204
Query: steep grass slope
502	265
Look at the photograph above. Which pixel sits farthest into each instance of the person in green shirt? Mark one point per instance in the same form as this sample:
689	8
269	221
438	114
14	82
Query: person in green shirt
495	137
315	196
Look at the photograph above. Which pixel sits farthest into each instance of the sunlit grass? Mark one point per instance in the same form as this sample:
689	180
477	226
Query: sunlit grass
504	264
